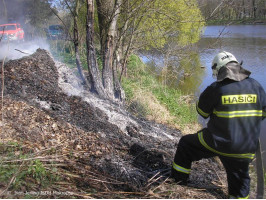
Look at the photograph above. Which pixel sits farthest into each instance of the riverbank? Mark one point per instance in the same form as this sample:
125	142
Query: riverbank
237	22
148	97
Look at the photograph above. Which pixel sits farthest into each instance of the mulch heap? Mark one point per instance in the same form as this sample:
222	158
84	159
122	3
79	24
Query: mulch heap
75	142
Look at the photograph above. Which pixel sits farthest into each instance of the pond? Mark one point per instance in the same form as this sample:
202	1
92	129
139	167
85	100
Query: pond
246	42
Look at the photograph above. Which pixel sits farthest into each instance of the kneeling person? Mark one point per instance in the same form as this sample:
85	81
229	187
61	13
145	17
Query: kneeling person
235	105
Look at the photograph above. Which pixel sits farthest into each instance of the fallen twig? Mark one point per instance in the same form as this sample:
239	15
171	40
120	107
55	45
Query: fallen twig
45	165
153	177
129	193
22	52
43	159
48	149
101	181
160	184
85	196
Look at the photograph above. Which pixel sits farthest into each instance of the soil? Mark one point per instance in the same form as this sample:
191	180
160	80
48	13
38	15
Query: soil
102	151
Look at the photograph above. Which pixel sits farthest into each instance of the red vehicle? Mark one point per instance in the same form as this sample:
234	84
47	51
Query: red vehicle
11	32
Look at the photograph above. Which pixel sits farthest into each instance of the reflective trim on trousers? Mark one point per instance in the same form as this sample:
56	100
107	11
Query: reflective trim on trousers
181	169
233	197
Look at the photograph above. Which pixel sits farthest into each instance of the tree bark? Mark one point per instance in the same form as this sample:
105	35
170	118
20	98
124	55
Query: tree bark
76	45
96	83
108	12
118	90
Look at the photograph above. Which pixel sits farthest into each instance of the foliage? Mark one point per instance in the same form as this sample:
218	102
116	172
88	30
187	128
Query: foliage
168	27
156	22
164	21
42	176
38	12
26	173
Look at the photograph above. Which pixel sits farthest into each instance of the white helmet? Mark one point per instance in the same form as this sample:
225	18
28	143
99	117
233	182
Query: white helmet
220	60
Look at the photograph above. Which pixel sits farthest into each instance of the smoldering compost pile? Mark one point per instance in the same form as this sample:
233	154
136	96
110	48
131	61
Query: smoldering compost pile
46	106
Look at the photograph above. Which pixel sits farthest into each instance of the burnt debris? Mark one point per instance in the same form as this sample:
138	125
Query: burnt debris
45	105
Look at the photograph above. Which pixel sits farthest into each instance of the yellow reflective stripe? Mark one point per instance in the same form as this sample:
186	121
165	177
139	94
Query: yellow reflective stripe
201	112
233	197
181	169
242	113
248	155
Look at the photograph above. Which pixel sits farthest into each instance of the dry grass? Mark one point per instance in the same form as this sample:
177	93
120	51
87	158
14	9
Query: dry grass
191	128
155	111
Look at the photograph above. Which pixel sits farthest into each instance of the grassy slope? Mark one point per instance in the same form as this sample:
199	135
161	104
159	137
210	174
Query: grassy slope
147	97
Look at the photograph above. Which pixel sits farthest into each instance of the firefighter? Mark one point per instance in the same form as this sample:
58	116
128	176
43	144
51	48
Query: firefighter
235	105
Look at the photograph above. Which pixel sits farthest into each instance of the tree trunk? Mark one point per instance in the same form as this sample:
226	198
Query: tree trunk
4	11
108	12
254	8
127	53
96	83
244	10
119	92
107	66
76	45
79	66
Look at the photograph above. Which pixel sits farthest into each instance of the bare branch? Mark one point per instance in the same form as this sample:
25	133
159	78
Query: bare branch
62	23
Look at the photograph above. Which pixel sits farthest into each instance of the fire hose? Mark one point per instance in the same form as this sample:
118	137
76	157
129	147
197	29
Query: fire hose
260	173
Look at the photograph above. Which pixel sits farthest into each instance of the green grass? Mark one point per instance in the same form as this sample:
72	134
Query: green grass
140	78
27	173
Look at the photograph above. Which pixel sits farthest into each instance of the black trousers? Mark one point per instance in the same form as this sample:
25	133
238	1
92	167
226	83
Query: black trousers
190	149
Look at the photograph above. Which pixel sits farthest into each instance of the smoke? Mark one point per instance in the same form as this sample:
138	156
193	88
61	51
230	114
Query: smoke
12	51
13	11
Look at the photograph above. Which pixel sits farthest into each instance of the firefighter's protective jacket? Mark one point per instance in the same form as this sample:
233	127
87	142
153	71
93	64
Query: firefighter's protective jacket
236	109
